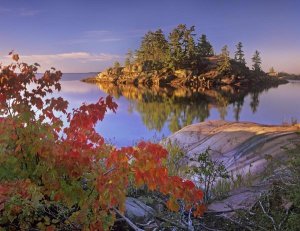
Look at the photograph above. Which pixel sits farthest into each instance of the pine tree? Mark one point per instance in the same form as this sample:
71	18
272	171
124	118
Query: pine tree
224	63
153	50
182	47
129	58
204	48
239	54
256	62
127	62
272	70
117	64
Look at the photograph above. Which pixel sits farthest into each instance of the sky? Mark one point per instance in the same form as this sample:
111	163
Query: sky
89	35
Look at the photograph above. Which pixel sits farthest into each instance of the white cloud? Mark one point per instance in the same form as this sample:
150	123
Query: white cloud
68	62
80	56
96	33
23	12
4	10
101	36
28	12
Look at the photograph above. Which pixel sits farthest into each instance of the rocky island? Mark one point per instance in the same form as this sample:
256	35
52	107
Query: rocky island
181	61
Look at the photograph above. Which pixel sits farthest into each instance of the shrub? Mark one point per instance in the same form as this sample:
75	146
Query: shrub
53	176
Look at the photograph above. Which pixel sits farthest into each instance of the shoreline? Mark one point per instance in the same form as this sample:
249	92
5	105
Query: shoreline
173	81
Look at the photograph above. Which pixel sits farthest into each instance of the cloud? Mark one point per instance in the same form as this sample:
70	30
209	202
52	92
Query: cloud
87	40
68	62
101	36
82	56
4	11
97	36
28	12
22	12
96	33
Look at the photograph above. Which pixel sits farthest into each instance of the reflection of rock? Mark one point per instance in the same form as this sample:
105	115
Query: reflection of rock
245	148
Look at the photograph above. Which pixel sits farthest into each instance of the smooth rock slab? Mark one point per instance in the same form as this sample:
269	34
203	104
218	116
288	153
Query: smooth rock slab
242	146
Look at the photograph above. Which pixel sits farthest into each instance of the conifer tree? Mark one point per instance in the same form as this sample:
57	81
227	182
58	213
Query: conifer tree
224	63
182	47
153	50
117	64
204	48
129	58
256	59
272	70
239	54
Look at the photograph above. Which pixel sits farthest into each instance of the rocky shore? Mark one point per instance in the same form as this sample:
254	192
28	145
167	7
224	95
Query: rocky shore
207	78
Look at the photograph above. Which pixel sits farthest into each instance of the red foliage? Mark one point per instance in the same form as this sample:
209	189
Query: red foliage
55	165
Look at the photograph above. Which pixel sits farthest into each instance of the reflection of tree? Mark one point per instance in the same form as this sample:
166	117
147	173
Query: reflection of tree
254	101
177	108
222	104
176	112
237	108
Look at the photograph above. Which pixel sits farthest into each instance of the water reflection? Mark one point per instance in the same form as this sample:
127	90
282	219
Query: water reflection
177	108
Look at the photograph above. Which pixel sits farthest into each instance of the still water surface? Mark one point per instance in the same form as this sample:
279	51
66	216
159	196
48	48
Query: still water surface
151	115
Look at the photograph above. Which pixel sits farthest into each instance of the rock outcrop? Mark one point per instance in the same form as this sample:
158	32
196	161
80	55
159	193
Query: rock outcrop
205	76
244	148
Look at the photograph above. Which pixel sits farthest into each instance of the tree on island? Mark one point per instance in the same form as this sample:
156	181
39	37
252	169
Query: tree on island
179	51
204	48
153	51
182	47
129	58
117	64
224	63
256	62
239	54
272	70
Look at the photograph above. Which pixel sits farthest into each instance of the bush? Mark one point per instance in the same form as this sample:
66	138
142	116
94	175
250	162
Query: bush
66	177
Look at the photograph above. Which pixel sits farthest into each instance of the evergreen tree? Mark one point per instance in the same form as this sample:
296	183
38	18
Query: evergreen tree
224	63
153	50
204	48
117	64
129	58
182	51
175	52
127	62
256	62
239	54
272	70
189	46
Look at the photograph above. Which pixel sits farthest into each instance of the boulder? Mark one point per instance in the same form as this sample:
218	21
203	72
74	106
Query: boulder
137	211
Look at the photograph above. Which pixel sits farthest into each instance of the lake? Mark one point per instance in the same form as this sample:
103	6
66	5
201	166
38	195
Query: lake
156	113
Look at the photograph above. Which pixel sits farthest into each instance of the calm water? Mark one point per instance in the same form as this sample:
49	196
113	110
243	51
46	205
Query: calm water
144	114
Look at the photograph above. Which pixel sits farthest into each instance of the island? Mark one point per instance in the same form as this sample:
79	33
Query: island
181	60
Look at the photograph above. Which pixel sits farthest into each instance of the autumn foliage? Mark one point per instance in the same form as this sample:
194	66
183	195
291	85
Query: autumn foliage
55	175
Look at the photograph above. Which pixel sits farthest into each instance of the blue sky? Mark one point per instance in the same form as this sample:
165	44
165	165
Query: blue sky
88	35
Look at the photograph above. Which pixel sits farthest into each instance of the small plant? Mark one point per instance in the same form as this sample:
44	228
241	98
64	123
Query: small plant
221	189
207	171
175	161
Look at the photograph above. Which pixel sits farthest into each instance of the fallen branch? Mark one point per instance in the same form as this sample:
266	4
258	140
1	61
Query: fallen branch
171	222
268	215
